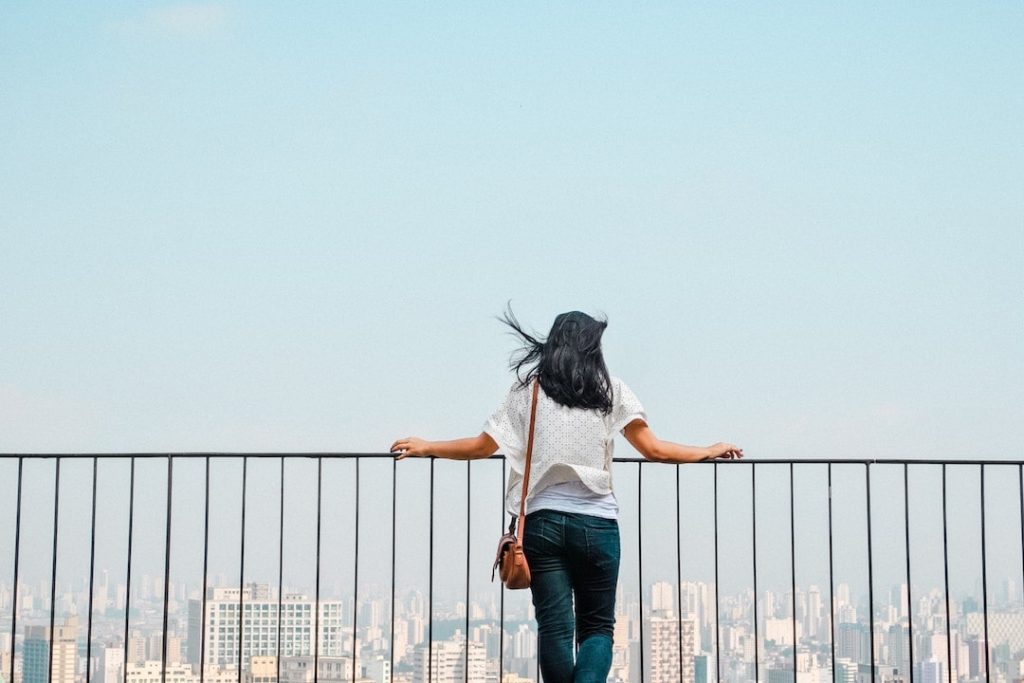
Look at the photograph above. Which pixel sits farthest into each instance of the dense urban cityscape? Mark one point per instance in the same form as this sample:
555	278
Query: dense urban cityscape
667	636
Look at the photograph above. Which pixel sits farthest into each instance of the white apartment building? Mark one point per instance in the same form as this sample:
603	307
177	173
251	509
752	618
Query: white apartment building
661	649
377	669
262	670
111	663
329	670
781	631
662	597
259	632
150	672
814	623
447	662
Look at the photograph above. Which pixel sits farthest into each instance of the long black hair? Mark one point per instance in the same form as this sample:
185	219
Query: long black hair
569	362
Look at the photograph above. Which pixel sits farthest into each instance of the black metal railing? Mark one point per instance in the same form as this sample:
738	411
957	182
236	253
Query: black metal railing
18	552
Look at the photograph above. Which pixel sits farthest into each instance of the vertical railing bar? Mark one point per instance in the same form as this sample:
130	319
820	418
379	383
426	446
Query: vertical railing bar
945	569
53	574
128	574
355	584
468	522
910	600
984	575
17	548
1020	489
167	566
206	567
92	575
792	563
394	538
280	572
679	576
430	584
241	572
501	603
831	581
316	607
871	580
718	629
753	533
640	557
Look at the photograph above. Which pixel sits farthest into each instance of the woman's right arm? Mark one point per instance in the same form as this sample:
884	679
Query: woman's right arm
651	447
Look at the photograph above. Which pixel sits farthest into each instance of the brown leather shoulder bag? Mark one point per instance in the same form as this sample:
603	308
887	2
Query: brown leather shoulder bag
515	572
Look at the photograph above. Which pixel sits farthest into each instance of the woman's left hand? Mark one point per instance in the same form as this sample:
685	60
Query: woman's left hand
410	446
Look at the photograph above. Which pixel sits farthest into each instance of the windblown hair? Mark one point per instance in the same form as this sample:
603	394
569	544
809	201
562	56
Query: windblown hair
568	362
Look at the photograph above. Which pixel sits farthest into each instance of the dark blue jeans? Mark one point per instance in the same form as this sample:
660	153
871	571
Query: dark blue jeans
573	555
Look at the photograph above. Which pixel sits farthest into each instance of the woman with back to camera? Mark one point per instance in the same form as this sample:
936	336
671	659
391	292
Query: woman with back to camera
571	532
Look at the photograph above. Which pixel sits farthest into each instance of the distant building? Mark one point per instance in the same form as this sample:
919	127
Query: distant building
262	669
932	671
781	631
814	625
780	676
37	656
150	672
852	642
845	671
700	669
111	665
377	669
662	598
446	661
670	660
329	670
259	638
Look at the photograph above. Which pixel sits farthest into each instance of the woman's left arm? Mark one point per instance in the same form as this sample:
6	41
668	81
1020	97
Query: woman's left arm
470	448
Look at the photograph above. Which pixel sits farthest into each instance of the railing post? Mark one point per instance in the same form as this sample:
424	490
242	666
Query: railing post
280	573
871	580
355	584
945	568
241	573
910	600
501	608
984	576
53	573
640	557
167	566
316	606
92	576
468	528
394	530
430	584
753	533
718	628
17	549
792	564
206	563
831	580
128	575
679	575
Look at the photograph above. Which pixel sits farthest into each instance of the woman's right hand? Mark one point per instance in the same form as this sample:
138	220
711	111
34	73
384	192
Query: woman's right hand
726	451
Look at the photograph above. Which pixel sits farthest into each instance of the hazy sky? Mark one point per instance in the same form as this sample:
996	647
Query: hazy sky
235	226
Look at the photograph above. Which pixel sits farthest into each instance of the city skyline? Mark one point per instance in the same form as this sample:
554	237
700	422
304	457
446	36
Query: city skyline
661	620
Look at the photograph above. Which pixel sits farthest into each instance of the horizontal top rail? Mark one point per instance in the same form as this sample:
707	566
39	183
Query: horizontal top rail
498	456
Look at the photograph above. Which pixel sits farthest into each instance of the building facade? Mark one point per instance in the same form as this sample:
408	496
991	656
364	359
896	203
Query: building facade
258	637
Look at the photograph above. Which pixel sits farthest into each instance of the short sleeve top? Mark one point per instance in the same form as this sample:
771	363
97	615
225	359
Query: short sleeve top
569	444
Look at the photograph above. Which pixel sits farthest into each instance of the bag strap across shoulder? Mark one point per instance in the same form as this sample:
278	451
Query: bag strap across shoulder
529	457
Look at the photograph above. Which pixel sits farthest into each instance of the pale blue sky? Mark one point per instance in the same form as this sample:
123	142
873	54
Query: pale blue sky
234	226
253	226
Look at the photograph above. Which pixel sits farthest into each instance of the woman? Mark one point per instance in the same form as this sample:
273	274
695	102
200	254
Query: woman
571	536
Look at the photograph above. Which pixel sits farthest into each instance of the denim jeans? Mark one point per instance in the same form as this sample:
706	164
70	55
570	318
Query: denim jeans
573	555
